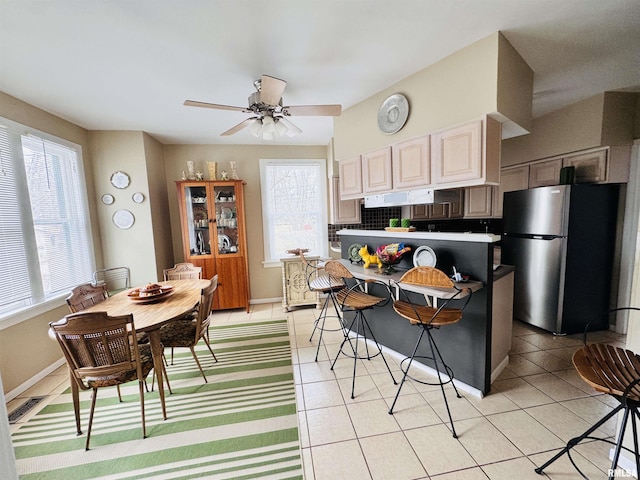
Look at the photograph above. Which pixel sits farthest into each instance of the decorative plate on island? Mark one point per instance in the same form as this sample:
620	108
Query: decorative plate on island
424	257
354	252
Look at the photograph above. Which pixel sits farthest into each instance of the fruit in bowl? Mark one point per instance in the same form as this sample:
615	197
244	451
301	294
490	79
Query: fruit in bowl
391	255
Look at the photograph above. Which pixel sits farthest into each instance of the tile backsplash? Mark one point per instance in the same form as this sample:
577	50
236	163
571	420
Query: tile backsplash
378	218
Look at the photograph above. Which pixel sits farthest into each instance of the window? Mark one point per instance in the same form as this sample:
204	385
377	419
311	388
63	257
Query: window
294	207
44	229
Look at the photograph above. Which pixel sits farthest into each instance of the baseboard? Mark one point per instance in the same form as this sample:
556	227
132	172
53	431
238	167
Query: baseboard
265	300
503	364
33	380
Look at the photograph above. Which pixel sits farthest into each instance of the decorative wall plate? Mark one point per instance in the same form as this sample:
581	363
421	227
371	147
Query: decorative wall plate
107	199
138	197
120	180
393	113
123	219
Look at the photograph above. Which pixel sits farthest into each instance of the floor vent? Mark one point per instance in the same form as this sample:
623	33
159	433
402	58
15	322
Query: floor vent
19	412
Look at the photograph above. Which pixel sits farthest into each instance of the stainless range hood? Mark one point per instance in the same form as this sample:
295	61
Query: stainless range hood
411	197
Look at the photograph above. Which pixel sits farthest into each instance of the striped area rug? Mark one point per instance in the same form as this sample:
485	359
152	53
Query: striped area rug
241	425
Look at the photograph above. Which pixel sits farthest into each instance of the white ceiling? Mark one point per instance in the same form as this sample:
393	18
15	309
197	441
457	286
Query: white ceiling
130	64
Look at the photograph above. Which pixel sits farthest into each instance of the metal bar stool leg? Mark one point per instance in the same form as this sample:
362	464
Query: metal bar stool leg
436	353
406	371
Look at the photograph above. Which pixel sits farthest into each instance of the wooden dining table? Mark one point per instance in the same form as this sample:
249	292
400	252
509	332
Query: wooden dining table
149	317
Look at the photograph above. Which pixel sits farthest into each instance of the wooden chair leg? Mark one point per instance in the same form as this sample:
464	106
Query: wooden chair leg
94	396
144	427
195	357
75	395
210	349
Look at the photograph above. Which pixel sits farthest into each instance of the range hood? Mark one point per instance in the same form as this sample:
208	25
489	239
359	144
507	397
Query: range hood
411	197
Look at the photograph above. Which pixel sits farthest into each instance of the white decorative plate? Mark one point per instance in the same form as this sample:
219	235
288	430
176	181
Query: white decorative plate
138	197
120	180
424	257
393	113
123	219
107	199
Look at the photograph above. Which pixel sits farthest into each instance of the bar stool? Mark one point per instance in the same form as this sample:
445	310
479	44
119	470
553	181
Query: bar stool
428	317
355	299
320	282
614	371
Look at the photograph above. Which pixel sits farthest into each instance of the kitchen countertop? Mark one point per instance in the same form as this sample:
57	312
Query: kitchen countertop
458	237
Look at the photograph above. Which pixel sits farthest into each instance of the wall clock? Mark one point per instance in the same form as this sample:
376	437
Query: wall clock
393	113
120	180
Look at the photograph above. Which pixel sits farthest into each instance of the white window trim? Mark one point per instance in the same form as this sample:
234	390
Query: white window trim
325	213
21	314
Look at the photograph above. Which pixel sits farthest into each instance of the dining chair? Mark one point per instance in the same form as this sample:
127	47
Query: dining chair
355	300
116	279
86	295
429	317
615	371
321	282
182	271
101	351
187	332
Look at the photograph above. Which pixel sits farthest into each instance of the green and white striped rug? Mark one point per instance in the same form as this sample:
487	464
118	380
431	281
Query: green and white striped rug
241	425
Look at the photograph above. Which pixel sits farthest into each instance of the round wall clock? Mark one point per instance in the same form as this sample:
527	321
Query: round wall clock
120	180
393	113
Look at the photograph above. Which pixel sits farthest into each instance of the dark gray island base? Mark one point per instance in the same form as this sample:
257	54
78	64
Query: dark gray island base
465	346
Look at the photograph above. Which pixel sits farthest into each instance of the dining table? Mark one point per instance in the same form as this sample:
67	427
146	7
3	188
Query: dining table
149	315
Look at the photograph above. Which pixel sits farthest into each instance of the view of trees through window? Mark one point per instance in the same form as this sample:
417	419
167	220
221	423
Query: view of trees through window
294	206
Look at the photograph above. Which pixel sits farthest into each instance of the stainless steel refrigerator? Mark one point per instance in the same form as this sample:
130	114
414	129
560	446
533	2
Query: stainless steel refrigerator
561	240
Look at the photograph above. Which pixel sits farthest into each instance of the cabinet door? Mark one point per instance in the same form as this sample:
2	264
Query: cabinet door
343	211
350	171
411	165
511	179
439	211
376	171
296	286
456	209
591	167
545	173
456	154
478	202
232	291
196	215
419	212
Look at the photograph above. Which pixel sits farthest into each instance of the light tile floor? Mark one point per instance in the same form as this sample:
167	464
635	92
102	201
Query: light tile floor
535	406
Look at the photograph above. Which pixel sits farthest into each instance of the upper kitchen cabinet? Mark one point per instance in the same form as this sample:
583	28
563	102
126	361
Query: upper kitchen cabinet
478	202
516	178
343	211
376	171
543	174
467	155
350	171
591	167
411	165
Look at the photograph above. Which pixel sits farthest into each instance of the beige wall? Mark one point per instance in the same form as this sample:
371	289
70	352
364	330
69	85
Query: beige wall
459	88
265	283
134	247
606	119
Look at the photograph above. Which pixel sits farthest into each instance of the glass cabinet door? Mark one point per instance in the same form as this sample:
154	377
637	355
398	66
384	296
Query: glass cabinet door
198	220
226	219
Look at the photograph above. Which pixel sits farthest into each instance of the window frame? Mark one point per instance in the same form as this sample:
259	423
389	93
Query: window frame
323	209
39	303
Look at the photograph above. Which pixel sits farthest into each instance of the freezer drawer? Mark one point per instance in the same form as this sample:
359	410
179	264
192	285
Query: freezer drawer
539	279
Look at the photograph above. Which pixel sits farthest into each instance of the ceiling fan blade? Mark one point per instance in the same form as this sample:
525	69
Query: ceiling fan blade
271	89
238	127
193	103
313	110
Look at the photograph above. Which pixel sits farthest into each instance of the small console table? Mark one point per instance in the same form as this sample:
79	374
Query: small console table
295	289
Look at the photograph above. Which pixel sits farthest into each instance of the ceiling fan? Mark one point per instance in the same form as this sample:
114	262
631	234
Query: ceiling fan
269	113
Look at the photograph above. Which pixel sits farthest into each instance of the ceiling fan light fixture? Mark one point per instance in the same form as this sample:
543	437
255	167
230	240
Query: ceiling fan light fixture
281	128
256	128
268	125
292	130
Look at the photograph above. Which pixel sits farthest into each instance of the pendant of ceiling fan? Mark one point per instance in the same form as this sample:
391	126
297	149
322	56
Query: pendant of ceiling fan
266	102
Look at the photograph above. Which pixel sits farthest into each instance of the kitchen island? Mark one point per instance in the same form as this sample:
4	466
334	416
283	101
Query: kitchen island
467	346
